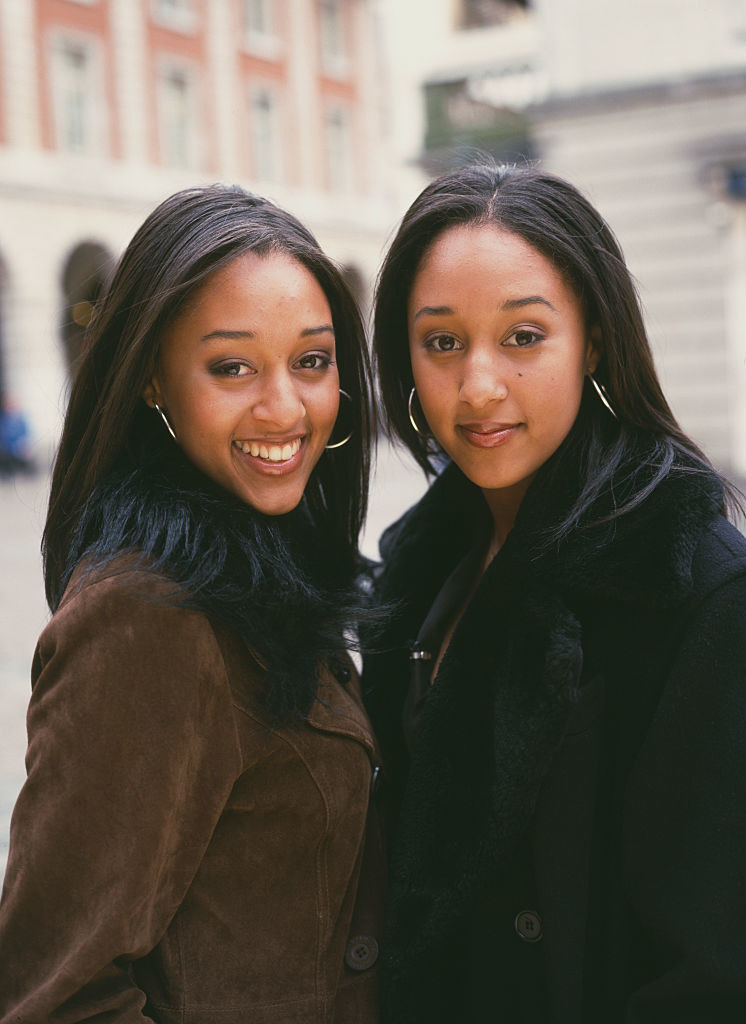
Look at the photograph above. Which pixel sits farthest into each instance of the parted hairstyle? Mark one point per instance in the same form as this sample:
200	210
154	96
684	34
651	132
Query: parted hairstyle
560	223
181	243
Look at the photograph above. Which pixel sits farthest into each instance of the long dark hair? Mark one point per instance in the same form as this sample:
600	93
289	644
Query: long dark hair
560	223
185	240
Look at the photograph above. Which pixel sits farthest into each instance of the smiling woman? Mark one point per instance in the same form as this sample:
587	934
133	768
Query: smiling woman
247	376
560	692
198	835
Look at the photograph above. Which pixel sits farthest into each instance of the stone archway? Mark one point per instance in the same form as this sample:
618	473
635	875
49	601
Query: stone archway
85	272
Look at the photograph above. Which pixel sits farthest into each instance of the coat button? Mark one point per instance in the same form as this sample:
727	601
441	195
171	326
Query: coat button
361	952
528	926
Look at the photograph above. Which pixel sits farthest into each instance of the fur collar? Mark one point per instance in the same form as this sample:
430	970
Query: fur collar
645	556
511	676
642	558
271	579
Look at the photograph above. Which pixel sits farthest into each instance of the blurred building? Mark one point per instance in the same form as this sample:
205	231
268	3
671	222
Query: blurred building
108	106
642	105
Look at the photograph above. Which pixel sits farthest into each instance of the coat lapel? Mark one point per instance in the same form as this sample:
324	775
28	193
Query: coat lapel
495	715
338	709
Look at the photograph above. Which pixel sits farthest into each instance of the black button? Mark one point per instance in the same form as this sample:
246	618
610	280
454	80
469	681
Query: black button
361	952
528	926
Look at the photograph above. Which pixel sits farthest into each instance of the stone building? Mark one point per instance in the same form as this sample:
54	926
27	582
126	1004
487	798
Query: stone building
651	123
108	106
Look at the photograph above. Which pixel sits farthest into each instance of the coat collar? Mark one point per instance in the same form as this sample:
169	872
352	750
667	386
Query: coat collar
644	556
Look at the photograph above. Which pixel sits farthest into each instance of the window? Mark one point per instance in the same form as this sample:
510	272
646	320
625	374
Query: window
266	135
178	117
172	8
332	36
76	90
74	80
485	13
259	17
337	136
260	28
179	15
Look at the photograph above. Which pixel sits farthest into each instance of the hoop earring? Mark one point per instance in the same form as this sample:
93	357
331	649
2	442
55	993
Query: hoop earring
163	416
338	444
411	416
601	392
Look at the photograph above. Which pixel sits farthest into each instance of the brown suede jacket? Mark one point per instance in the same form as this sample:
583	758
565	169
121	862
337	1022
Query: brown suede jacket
172	857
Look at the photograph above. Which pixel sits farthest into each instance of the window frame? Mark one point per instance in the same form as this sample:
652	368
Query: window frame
261	87
93	120
167	67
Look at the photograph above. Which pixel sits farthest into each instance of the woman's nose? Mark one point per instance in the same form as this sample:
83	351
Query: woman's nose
278	403
484	379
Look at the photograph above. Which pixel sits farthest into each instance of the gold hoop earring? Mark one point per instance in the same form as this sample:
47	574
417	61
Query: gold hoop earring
601	392
338	444
411	416
163	416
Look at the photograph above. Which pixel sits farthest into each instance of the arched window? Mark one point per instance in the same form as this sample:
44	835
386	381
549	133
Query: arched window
85	272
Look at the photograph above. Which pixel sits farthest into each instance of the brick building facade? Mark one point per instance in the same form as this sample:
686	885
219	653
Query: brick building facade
108	106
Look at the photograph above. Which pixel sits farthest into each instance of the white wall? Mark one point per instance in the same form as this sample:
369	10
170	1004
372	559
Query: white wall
589	45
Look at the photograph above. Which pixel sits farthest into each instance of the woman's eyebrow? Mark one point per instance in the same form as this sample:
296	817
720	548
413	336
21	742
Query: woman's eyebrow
323	329
238	335
434	311
529	300
509	304
229	335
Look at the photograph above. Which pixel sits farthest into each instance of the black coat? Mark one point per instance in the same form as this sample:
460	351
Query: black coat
580	770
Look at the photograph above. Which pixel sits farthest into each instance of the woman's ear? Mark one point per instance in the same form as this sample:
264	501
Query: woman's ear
152	392
593	349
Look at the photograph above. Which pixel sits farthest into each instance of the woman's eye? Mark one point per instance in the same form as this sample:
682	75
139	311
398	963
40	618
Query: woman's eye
233	369
443	343
314	361
524	338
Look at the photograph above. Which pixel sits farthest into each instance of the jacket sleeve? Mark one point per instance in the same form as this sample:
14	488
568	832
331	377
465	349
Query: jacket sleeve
685	841
132	755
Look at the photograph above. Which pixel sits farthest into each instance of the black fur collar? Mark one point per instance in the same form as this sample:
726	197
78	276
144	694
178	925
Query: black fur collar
272	579
645	555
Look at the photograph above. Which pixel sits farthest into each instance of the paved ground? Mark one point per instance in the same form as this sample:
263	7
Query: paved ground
22	508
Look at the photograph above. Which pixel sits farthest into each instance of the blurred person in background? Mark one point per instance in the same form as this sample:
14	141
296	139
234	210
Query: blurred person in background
196	839
561	698
15	441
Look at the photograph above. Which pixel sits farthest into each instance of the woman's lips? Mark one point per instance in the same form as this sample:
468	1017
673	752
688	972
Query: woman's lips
272	456
488	435
274	451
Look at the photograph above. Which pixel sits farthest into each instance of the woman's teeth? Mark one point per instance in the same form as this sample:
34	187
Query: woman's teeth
273	452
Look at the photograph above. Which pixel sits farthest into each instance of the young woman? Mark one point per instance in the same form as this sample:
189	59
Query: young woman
561	697
196	840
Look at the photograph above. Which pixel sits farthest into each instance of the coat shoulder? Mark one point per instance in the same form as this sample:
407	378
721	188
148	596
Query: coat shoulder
719	559
124	601
132	626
